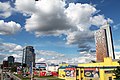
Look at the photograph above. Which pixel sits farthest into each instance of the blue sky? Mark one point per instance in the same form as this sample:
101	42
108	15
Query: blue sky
59	30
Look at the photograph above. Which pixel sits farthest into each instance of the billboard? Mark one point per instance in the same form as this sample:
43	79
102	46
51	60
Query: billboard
70	72
91	72
40	65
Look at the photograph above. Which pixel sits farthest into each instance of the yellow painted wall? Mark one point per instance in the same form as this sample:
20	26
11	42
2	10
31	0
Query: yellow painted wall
107	63
103	76
107	76
61	74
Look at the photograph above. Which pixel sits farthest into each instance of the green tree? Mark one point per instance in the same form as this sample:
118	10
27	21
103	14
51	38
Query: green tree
14	69
117	73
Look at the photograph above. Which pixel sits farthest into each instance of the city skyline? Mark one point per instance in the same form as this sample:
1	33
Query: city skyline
59	30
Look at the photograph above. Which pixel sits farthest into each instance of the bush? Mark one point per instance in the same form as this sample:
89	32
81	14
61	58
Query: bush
117	73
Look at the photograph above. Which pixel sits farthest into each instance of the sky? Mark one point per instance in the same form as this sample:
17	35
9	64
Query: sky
59	30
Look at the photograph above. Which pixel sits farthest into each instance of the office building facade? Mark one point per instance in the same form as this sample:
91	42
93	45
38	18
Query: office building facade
28	56
5	64
11	59
104	43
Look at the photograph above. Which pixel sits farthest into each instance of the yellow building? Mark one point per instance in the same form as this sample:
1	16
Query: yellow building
61	71
90	71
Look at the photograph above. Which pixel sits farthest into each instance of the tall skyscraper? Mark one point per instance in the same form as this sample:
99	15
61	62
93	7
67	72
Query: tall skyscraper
104	43
11	59
28	56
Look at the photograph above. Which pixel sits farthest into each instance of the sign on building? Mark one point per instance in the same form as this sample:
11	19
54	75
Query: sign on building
91	72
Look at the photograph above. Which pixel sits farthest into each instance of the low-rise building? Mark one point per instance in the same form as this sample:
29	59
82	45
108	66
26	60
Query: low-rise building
52	68
90	71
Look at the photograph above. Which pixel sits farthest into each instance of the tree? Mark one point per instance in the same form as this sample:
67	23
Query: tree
14	69
117	72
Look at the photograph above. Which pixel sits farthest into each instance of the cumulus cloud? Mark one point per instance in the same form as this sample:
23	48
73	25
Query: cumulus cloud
82	38
49	53
2	56
100	20
40	60
55	57
79	14
25	6
10	47
117	55
74	60
49	56
5	9
7	28
16	54
51	17
117	47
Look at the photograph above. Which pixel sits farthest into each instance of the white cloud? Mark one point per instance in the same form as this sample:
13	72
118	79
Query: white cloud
2	57
82	38
40	60
25	6
9	47
17	55
7	28
5	9
49	53
55	57
49	19
117	47
79	14
52	18
100	20
18	48
116	26
117	55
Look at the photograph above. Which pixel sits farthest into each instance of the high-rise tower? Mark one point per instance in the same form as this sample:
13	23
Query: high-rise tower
28	56
104	43
11	60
